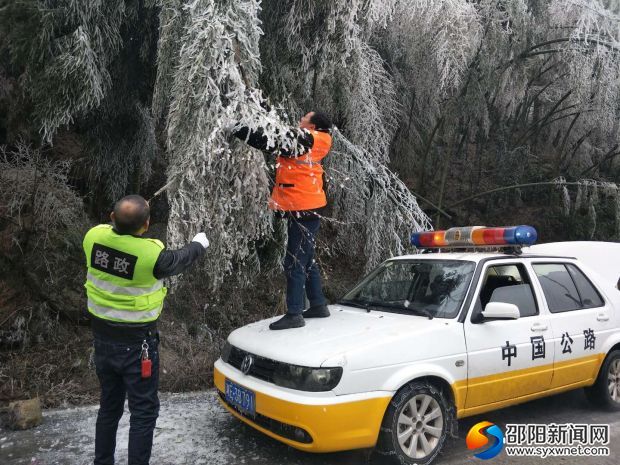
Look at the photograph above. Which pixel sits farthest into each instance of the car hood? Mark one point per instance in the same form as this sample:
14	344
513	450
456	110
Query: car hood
346	330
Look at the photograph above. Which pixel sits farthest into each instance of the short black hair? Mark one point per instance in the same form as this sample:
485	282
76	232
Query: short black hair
321	121
130	220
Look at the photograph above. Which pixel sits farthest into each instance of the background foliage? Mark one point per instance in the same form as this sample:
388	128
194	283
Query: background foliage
448	113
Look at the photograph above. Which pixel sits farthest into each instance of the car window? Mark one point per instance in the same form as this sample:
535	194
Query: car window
433	287
510	284
391	286
566	288
520	295
590	298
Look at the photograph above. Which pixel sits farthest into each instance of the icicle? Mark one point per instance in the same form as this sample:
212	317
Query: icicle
594	195
565	201
579	198
592	217
617	199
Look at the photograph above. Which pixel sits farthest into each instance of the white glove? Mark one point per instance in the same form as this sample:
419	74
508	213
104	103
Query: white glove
201	238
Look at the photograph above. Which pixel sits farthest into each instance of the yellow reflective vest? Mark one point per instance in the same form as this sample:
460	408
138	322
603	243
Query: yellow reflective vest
120	285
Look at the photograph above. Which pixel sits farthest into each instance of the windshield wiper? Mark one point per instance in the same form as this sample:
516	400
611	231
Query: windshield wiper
422	311
356	303
368	305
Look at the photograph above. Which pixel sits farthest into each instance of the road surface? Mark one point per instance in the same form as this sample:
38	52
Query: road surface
195	429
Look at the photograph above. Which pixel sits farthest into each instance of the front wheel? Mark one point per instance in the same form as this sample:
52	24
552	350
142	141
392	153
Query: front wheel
605	392
416	424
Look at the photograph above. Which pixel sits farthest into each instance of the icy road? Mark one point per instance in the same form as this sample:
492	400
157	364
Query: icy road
194	429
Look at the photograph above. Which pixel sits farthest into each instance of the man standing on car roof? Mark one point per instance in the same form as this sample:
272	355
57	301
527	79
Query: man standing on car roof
297	196
125	295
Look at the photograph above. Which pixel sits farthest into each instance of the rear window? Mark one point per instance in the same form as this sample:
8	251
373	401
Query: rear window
566	288
590	297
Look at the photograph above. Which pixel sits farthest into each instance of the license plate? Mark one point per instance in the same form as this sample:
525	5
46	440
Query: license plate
240	397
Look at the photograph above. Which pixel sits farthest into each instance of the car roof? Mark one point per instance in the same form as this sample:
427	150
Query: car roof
596	252
473	256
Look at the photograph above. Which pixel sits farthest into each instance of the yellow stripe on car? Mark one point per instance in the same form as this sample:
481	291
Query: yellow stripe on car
568	374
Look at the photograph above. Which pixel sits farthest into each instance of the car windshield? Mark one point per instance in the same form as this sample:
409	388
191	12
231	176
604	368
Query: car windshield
434	288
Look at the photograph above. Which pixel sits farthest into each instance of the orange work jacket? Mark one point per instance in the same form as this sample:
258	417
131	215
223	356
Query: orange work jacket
299	180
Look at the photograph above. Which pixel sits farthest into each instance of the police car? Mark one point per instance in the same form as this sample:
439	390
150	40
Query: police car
430	338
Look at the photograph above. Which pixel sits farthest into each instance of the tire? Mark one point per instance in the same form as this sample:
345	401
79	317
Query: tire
605	392
416	424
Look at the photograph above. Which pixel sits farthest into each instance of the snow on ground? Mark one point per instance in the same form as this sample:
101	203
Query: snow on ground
186	423
194	429
191	429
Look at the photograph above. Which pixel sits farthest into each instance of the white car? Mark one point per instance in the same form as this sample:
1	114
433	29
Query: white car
430	338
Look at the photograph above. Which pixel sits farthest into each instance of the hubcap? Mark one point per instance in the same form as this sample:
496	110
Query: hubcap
420	424
614	380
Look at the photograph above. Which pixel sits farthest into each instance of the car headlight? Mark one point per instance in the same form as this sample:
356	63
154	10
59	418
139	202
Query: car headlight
307	379
225	355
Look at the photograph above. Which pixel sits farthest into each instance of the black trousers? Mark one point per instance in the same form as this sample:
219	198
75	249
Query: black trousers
119	371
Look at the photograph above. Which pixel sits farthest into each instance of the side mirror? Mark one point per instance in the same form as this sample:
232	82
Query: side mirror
500	311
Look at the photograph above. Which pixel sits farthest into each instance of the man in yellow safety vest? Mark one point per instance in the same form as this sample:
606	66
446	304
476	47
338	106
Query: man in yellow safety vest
125	294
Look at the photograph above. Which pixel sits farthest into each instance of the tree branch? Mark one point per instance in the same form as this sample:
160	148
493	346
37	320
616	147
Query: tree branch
608	156
515	186
609	45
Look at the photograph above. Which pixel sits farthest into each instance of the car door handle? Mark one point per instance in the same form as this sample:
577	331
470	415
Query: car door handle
539	327
602	317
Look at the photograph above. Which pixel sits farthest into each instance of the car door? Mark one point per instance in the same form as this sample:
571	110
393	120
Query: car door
507	359
580	317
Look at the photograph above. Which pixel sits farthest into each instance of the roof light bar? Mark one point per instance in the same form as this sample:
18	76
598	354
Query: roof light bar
473	236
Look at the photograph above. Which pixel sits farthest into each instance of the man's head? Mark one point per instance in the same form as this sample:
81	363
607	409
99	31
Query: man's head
131	215
315	121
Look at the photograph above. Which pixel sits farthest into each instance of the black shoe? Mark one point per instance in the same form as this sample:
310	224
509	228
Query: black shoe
288	321
318	311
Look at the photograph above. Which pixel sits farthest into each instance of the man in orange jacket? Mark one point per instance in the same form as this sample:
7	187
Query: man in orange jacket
298	196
